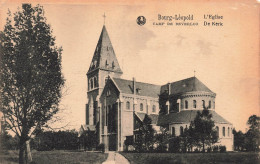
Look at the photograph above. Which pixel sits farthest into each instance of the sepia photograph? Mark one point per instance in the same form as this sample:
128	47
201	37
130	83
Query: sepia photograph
129	82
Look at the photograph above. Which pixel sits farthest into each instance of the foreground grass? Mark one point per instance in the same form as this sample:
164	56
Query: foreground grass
169	158
57	157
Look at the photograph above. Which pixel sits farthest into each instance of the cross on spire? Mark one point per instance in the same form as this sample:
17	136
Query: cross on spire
104	18
194	73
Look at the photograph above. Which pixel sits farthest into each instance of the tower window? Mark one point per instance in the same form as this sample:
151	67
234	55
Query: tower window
128	105
92	83
113	65
108	92
203	104
213	104
209	104
95	82
106	63
141	107
228	131
186	104
154	108
194	104
89	84
223	131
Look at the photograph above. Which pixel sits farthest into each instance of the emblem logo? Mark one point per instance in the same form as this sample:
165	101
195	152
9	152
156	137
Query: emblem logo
141	20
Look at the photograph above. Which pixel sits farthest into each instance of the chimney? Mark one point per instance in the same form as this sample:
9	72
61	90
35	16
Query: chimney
169	88
134	86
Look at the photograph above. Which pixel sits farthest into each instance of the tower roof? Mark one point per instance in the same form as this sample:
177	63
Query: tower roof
104	56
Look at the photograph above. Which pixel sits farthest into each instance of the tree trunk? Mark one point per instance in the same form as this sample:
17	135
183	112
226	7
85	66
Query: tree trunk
21	152
28	152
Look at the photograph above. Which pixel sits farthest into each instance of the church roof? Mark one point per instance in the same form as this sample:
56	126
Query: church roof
145	89
187	85
187	116
104	55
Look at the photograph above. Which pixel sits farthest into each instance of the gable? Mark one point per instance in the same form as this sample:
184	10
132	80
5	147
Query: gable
110	87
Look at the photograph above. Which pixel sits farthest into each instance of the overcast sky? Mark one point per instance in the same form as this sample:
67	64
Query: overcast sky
225	58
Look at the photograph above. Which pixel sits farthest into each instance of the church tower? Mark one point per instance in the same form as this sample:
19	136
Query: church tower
104	63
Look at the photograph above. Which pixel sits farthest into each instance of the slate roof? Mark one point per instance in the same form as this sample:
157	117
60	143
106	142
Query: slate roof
191	84
104	56
153	117
187	116
126	86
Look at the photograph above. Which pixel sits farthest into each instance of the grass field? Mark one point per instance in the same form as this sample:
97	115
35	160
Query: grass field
208	158
57	157
69	157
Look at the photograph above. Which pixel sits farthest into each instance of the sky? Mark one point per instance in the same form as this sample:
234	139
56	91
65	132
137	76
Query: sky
225	58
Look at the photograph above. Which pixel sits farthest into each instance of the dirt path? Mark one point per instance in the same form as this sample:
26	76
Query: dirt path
115	158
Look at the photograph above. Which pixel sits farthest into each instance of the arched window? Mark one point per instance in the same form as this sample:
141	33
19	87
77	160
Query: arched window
194	104
127	105
106	63
141	107
186	104
92	83
209	104
203	104
154	108
181	130
228	131
173	131
223	131
113	65
217	130
95	82
213	104
89	84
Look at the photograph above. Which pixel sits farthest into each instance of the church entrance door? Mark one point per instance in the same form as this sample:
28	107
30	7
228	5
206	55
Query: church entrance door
112	142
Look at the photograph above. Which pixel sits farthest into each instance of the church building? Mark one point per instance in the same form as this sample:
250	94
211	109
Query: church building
115	105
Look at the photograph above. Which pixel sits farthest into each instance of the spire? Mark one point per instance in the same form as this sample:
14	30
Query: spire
104	56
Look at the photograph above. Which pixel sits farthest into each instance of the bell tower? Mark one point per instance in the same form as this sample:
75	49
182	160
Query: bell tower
104	63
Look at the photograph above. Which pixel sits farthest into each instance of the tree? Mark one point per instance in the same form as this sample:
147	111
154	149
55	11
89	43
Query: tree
31	78
204	131
252	136
239	140
145	135
162	139
148	133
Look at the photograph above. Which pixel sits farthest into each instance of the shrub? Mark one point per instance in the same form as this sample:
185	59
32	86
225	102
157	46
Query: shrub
215	148
209	150
222	149
101	147
175	145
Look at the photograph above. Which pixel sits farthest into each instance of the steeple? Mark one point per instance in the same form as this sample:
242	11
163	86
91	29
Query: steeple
104	57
